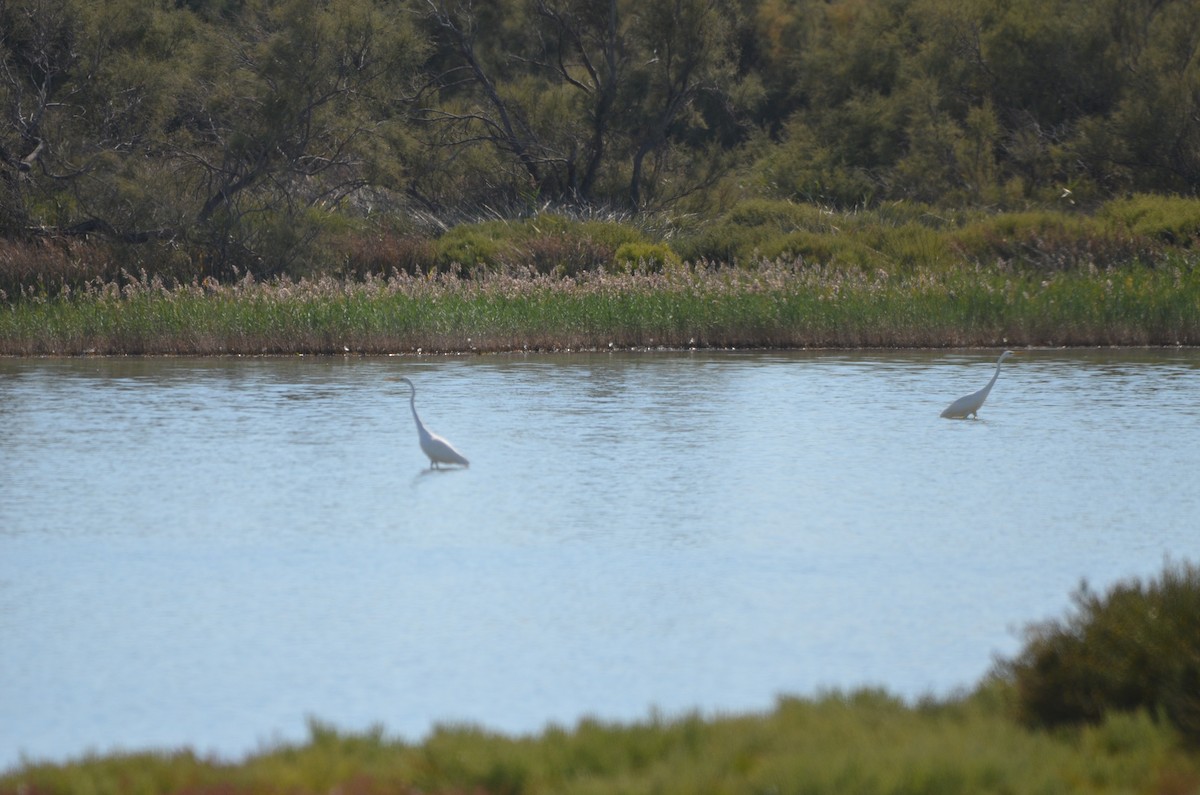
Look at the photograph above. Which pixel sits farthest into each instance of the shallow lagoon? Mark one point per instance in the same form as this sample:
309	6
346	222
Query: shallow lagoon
207	552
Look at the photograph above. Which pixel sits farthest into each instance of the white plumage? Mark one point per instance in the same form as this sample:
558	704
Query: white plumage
968	405
438	449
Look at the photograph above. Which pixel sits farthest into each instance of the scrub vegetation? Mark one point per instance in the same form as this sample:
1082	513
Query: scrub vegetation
1040	159
1102	702
766	274
209	137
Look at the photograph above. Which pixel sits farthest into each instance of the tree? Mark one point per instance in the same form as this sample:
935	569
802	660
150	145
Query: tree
284	117
587	53
1157	120
38	59
584	96
687	44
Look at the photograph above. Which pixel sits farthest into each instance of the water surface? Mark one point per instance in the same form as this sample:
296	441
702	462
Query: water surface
208	552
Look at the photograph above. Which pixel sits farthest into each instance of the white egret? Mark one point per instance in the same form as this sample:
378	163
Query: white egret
438	449
968	405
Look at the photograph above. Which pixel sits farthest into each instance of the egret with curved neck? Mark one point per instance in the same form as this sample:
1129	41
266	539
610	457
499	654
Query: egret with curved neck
968	405
438	449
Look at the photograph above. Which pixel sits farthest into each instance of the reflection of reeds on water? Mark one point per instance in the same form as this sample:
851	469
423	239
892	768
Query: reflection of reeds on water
776	303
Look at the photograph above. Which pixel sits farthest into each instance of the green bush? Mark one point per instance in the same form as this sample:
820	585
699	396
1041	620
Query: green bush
802	244
1135	648
781	216
1170	219
757	228
1052	241
560	246
648	256
897	235
550	244
723	243
471	245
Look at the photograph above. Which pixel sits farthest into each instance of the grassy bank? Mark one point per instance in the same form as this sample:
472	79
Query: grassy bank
778	303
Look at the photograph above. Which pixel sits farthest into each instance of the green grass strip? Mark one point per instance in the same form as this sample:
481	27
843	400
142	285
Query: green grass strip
770	304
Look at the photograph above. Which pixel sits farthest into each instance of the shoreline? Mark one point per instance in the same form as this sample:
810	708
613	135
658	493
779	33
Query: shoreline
599	351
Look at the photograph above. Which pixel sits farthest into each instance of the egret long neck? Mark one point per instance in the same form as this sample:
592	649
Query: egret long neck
995	375
412	404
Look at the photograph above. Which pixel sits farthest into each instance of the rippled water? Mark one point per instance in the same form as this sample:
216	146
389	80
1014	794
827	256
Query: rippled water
208	552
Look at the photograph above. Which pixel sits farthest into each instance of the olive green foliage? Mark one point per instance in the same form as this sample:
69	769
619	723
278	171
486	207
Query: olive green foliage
863	742
980	102
227	137
645	256
896	235
546	244
1137	647
903	236
1163	219
1138	229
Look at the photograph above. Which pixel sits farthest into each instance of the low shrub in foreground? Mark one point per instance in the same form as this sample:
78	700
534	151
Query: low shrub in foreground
1135	648
864	742
1116	664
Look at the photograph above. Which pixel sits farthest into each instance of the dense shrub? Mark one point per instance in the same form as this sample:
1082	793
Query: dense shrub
562	255
1053	241
471	245
898	235
46	267
763	228
41	266
385	252
1170	219
546	244
647	256
1135	648
559	246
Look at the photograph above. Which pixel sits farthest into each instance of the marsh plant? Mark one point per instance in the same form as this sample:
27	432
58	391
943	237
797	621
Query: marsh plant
775	303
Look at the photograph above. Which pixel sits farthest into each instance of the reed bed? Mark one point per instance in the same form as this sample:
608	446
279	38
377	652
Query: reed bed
768	304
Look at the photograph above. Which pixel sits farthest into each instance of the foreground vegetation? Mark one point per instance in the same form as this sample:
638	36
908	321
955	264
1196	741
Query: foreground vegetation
864	743
1130	659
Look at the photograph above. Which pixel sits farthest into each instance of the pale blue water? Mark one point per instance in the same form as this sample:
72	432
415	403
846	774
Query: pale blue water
207	552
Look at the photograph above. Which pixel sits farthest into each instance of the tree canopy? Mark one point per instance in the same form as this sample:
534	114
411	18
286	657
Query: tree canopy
236	130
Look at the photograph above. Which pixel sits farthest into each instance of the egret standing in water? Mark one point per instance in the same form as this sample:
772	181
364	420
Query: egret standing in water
438	449
968	406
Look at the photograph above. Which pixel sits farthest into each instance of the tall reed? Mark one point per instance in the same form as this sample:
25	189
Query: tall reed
769	303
